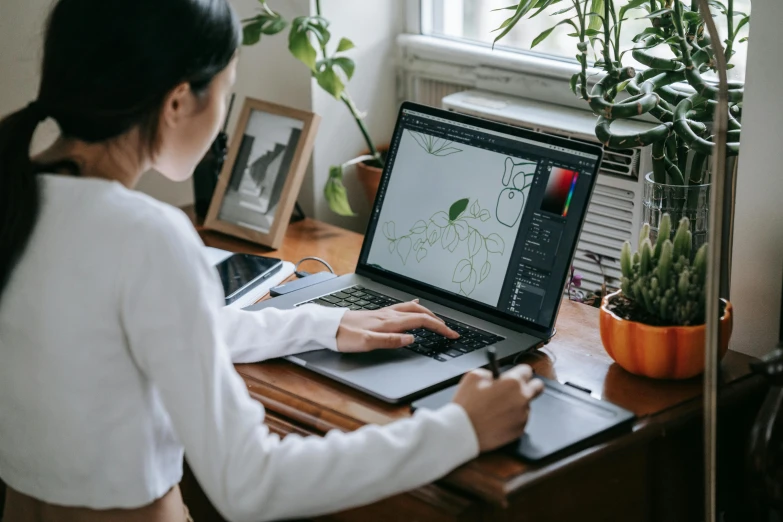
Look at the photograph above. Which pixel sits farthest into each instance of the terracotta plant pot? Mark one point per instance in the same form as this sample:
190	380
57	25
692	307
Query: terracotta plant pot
369	176
660	352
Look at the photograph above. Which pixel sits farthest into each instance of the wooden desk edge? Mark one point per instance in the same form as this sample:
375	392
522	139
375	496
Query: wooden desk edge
303	416
316	420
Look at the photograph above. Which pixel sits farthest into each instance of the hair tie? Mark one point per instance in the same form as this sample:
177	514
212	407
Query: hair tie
38	110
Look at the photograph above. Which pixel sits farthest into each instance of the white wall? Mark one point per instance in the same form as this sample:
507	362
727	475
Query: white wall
757	270
373	26
21	41
266	71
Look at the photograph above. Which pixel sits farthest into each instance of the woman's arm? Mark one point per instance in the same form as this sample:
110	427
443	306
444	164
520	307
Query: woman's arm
171	310
270	333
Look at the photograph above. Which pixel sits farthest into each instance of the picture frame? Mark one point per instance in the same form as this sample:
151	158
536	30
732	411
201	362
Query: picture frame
263	172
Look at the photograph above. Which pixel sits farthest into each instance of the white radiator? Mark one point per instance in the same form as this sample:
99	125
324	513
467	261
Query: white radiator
615	210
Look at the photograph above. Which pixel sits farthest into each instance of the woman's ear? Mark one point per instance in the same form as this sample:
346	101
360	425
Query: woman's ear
178	105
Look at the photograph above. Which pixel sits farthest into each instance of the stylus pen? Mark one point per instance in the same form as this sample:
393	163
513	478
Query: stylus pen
493	362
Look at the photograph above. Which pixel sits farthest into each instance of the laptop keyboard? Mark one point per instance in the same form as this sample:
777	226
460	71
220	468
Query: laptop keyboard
426	342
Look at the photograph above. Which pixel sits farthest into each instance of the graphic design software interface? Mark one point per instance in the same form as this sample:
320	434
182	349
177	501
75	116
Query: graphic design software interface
482	214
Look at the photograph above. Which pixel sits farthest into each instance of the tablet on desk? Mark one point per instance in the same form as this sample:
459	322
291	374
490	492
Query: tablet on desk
241	273
562	420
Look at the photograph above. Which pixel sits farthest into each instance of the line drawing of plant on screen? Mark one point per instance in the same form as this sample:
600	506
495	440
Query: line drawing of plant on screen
452	229
433	145
517	178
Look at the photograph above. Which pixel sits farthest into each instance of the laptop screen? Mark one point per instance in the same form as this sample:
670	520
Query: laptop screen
486	213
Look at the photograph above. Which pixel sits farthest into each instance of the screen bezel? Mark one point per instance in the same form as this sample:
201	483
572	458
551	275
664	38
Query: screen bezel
464	304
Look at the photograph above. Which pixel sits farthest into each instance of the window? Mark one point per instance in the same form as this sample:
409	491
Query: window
475	20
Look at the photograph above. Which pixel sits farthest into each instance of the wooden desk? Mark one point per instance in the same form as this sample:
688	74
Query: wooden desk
651	473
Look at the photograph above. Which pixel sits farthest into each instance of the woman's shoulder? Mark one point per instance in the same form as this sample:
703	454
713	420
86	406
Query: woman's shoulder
109	209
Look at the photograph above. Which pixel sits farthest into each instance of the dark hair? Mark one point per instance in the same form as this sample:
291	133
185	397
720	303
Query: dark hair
107	68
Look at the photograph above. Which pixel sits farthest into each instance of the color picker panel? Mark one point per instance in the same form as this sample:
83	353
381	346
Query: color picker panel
559	191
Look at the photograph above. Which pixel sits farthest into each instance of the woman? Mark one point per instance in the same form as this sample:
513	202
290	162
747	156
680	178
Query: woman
115	352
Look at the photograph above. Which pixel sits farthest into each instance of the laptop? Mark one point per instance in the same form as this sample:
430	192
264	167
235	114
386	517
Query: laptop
477	219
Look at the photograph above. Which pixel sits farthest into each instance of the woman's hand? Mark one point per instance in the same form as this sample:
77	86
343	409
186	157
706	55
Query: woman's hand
362	331
498	409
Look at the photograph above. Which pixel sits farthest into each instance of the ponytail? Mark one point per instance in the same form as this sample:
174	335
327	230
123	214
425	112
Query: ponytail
107	67
19	193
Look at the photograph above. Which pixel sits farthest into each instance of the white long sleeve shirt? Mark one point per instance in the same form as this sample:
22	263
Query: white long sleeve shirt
116	357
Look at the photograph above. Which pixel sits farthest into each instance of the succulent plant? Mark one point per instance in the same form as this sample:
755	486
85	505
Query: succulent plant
661	280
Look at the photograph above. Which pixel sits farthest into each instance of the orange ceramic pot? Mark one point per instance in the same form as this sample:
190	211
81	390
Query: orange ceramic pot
660	352
369	176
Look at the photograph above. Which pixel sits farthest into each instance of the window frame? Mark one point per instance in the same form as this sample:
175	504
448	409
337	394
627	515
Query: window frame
548	76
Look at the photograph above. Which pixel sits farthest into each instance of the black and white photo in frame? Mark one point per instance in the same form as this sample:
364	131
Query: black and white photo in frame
263	173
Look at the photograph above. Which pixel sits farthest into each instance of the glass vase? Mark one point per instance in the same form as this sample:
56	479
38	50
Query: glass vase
679	201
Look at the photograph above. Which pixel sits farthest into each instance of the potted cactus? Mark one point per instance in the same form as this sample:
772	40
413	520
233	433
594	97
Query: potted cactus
674	49
654	325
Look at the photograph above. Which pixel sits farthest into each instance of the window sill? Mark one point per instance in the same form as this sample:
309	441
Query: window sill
476	54
502	71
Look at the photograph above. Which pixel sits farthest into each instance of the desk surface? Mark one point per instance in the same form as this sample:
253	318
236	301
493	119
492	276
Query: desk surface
313	404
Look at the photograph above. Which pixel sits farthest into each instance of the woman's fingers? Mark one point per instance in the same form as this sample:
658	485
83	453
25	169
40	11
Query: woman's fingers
533	389
411	321
414	307
521	373
382	340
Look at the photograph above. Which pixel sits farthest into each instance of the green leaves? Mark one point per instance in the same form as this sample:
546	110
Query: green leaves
541	37
633	4
562	11
268	23
458	208
649	30
522	9
300	47
344	45
331	72
743	21
658	14
692	17
327	76
335	193
541	5
574	81
597	7
299	41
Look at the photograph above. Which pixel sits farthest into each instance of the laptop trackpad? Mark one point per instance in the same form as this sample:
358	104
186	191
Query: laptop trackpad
560	419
